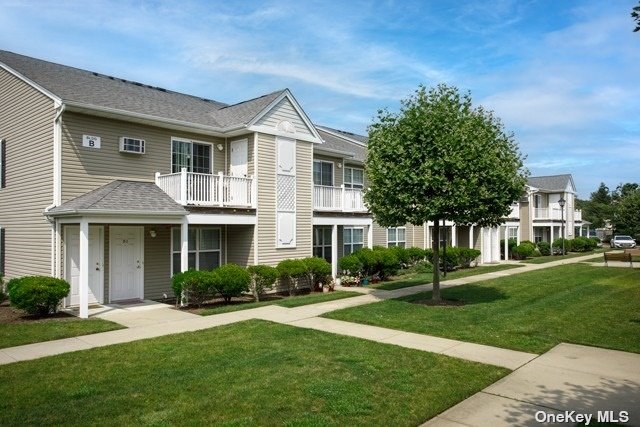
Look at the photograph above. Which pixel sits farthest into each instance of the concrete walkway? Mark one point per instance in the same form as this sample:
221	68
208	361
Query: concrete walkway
567	378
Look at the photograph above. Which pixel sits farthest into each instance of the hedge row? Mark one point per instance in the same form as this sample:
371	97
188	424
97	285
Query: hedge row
527	248
231	280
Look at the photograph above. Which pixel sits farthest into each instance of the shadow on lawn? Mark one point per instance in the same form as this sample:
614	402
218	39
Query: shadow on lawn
467	294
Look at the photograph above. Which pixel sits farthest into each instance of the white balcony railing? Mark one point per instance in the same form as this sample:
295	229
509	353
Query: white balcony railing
201	189
547	213
577	215
342	199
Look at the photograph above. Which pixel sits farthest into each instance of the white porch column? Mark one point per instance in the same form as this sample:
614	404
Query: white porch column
553	234
454	235
506	242
495	240
183	187
427	243
370	237
83	285
471	242
334	251
184	245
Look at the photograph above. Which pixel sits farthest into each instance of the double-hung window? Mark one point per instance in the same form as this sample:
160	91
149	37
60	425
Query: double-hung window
204	248
195	156
322	173
396	236
353	178
352	239
322	242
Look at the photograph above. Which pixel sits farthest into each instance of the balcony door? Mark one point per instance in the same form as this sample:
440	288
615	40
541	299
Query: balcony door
195	156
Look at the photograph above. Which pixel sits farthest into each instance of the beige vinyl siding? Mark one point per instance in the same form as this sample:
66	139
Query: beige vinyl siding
338	173
26	123
415	238
84	169
266	212
284	111
240	244
379	235
525	222
157	261
462	235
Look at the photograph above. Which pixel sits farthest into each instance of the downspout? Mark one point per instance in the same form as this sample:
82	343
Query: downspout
57	180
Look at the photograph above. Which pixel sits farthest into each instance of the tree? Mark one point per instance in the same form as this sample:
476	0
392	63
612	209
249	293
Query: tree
627	218
599	209
635	14
440	157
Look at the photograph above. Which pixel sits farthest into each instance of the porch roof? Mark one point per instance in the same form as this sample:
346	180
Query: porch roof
121	198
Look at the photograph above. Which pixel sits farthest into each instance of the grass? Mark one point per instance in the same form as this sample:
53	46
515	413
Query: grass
285	302
13	334
422	278
551	258
531	311
245	374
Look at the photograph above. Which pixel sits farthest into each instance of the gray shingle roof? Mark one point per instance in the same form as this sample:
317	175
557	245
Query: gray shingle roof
552	182
360	138
99	90
334	143
125	197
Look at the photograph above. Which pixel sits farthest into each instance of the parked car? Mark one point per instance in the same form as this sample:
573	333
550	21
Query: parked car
622	242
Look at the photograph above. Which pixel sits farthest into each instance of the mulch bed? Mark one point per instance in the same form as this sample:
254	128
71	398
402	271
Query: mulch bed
9	314
441	303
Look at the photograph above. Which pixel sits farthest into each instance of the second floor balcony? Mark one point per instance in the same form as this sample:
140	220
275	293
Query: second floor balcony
201	189
340	199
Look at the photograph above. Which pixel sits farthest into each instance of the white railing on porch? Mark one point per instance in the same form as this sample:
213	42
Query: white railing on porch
342	199
547	213
201	189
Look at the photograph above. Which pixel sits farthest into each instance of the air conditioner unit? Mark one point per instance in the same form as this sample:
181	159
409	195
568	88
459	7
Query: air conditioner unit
131	145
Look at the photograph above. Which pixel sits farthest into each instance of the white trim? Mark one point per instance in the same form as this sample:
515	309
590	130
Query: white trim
220	219
57	157
397	240
119	219
65	275
83	261
256	184
344	228
305	119
341	220
57	101
273	131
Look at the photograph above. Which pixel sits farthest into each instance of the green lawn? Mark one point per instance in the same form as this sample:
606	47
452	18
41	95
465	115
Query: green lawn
531	311
13	334
295	301
551	258
245	374
422	278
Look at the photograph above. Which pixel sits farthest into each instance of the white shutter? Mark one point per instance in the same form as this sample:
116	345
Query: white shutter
286	156
286	229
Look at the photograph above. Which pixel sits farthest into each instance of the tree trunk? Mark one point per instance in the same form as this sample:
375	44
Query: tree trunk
436	261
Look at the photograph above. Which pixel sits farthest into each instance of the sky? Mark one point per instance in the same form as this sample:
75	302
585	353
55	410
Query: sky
563	76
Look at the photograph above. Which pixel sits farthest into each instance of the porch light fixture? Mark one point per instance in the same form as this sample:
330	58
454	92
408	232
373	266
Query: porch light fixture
152	233
339	165
220	147
561	203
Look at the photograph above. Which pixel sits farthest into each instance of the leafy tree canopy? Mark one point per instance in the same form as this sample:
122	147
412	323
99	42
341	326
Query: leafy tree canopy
635	14
440	157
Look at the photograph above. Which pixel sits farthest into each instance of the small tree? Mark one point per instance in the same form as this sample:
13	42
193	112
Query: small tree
438	158
263	277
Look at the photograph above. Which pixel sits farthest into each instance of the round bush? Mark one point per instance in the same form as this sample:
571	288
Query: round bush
557	246
39	295
544	248
351	264
318	272
193	286
369	259
388	263
466	256
289	271
231	280
263	277
401	254
415	255
523	250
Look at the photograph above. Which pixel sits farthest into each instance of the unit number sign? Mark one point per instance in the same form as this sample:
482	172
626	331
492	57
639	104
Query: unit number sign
90	141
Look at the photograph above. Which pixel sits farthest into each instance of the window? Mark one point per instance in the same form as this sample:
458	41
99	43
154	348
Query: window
322	173
353	178
322	242
204	248
3	163
353	239
196	157
537	200
396	236
537	234
513	232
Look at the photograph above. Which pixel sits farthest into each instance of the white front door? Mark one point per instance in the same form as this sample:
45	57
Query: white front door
239	158
126	257
96	264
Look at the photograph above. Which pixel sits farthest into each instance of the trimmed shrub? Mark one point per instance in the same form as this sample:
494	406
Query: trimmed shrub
557	246
39	295
466	256
415	255
388	263
452	258
318	272
263	277
581	244
401	254
3	294
351	264
512	243
290	272
369	259
231	280
193	286
523	250
544	248
422	267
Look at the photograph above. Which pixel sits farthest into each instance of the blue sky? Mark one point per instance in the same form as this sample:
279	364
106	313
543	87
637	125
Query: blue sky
562	75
